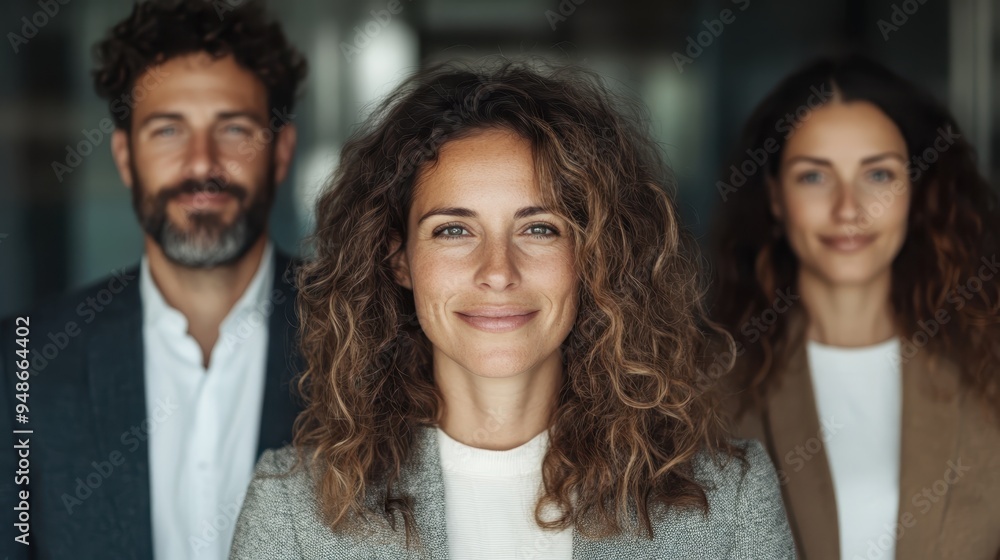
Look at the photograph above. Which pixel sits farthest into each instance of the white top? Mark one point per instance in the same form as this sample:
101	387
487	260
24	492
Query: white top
859	399
490	501
203	424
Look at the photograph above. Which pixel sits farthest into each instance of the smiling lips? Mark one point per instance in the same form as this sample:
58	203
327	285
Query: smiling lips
847	243
497	319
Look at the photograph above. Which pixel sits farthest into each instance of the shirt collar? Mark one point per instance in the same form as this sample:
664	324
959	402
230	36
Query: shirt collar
157	312
255	300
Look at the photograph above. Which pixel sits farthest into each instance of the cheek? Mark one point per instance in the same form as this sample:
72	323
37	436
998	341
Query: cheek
805	215
152	180
897	211
557	279
249	169
434	280
803	212
896	220
157	169
148	166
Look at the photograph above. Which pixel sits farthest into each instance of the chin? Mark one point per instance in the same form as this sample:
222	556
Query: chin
853	276
500	364
498	369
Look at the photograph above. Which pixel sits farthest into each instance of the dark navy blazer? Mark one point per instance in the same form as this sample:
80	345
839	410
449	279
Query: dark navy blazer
88	478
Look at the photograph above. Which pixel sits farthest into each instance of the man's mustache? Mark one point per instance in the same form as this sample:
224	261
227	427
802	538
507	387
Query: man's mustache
207	187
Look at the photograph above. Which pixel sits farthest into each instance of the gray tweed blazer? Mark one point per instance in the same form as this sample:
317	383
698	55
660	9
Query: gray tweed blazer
280	518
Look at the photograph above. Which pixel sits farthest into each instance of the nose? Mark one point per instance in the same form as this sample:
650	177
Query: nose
497	269
202	163
846	207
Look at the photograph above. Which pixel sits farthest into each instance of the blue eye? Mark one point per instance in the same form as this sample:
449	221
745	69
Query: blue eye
237	129
449	231
165	131
881	175
811	177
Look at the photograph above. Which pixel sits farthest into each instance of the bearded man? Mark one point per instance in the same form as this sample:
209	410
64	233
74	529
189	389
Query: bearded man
151	394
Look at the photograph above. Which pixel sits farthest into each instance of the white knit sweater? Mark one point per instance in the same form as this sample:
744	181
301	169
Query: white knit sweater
490	498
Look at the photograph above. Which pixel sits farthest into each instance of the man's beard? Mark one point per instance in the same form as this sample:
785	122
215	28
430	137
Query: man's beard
208	241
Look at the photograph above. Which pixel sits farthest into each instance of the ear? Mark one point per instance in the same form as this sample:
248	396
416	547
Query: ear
399	262
122	155
774	197
284	150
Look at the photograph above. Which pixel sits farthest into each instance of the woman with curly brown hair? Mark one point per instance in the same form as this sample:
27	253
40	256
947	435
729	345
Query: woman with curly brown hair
506	345
857	263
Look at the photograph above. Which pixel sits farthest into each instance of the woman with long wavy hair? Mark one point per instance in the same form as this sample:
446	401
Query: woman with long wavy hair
857	266
506	345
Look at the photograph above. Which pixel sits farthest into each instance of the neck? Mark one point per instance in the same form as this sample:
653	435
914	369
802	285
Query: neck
497	413
203	295
848	314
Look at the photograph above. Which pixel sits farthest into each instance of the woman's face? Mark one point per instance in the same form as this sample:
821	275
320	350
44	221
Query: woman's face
843	193
491	271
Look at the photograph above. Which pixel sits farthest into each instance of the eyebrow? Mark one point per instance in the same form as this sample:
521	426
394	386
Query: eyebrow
223	116
467	213
892	155
865	161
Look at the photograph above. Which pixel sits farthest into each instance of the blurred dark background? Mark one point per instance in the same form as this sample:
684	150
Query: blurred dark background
60	233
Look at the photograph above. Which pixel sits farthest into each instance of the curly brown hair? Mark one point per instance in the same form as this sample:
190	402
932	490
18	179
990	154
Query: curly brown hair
634	410
953	224
158	30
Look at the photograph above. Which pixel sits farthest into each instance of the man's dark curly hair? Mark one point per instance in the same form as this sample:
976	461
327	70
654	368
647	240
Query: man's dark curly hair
158	30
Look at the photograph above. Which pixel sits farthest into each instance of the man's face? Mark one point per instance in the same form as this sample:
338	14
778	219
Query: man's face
203	159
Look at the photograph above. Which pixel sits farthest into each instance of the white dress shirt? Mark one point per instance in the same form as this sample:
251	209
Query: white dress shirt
490	501
859	390
202	455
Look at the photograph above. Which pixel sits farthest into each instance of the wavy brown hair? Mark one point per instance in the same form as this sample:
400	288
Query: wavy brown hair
953	224
634	411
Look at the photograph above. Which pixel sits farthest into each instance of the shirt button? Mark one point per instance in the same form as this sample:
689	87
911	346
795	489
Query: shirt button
203	465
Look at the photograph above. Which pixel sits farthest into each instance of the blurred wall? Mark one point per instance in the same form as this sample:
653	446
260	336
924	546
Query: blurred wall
698	66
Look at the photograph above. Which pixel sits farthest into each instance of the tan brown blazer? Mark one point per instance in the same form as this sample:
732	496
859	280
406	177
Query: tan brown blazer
949	496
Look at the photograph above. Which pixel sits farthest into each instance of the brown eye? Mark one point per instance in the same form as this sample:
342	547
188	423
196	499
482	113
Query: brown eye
541	230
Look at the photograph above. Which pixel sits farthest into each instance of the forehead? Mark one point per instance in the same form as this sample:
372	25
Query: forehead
487	169
855	128
197	83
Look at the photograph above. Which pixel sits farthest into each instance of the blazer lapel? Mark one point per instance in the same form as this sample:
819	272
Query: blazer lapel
793	422
115	364
283	362
425	482
930	424
117	392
